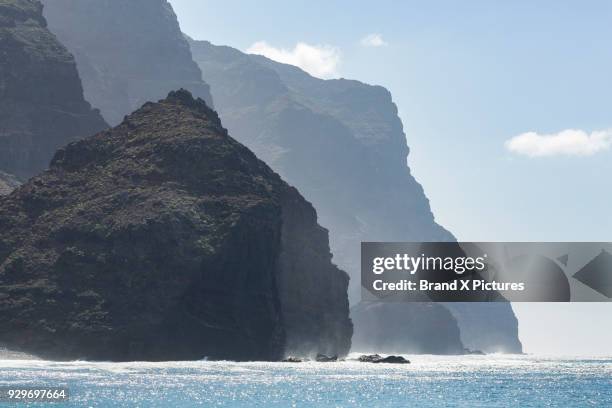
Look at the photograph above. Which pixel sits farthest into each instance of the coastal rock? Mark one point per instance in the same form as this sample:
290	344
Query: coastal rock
292	360
348	158
127	52
369	358
7	183
165	239
41	99
377	358
392	360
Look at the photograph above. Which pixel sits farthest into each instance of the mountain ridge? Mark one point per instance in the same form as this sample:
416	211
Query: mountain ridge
41	97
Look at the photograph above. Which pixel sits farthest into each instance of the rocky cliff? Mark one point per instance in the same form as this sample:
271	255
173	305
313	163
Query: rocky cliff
165	239
41	98
342	144
128	52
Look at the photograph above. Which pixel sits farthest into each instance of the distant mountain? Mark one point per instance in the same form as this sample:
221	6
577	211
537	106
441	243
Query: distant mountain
163	239
41	99
128	52
342	144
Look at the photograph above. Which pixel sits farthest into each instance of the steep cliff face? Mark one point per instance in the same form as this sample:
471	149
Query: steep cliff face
7	183
488	327
162	239
41	99
422	328
313	291
127	52
348	157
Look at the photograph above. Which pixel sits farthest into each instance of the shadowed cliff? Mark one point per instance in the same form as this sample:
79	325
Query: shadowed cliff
128	52
41	98
165	239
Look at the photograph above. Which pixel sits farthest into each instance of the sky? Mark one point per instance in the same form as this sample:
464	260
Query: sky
505	107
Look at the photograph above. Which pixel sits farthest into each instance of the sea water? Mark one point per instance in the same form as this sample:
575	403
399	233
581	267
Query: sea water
430	381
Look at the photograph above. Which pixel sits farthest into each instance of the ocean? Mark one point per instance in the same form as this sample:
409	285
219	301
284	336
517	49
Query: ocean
430	381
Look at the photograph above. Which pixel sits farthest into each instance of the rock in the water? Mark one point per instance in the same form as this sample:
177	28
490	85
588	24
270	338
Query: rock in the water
127	52
376	358
322	358
392	360
369	358
41	98
7	183
292	360
165	239
421	328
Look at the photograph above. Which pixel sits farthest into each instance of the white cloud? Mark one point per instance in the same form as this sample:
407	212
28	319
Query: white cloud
568	142
373	40
318	60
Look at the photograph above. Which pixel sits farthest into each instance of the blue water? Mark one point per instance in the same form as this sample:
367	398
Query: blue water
430	381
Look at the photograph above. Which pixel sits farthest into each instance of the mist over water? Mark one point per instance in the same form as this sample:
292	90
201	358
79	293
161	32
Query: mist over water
461	381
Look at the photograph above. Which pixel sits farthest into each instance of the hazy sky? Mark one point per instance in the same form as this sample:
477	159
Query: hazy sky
505	106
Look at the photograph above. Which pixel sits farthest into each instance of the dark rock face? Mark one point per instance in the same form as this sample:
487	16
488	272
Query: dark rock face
7	183
127	52
165	239
400	328
312	290
41	99
348	158
392	360
487	327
